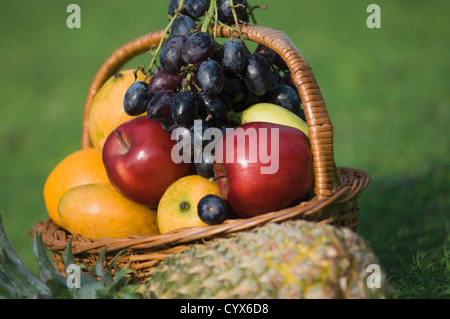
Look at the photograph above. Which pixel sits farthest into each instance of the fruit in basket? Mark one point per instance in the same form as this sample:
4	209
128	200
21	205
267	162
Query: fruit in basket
226	15
137	158
178	205
210	77
183	25
99	210
262	167
294	259
163	80
215	108
170	55
107	108
234	56
174	5
272	57
78	168
258	75
137	98
213	209
287	97
160	106
198	48
268	112
184	108
197	8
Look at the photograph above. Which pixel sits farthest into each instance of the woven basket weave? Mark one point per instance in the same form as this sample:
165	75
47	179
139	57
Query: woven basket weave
336	189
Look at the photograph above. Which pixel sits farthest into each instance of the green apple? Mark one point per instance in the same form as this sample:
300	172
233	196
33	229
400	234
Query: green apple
272	113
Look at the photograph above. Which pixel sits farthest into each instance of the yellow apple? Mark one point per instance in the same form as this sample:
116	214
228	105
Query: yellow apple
271	113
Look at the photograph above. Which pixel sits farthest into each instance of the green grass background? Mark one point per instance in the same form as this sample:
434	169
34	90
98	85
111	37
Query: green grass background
386	90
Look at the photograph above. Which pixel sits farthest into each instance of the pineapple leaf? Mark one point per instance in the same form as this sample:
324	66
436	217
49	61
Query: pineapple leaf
69	259
59	291
14	275
88	284
6	244
92	272
106	287
58	283
67	255
99	271
129	292
89	290
13	284
7	292
120	288
46	269
16	281
113	264
121	276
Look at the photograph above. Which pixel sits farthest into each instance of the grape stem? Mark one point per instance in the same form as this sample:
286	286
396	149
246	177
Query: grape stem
250	10
139	68
209	16
216	13
187	86
166	31
236	21
213	13
228	27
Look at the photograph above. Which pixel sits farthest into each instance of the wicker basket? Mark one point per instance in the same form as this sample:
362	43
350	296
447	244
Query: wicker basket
336	189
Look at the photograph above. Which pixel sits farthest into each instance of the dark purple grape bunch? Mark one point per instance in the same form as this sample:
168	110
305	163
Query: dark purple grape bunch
191	82
198	78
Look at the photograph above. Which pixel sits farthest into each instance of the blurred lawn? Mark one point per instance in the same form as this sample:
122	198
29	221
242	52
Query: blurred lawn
386	90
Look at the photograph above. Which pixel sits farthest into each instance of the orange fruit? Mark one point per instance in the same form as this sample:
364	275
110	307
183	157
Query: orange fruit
106	111
79	168
178	205
99	210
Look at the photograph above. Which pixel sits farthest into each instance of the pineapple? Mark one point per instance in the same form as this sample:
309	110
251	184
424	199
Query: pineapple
16	281
295	259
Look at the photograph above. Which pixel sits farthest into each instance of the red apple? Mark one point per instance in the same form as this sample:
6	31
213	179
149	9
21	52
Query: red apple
137	158
271	170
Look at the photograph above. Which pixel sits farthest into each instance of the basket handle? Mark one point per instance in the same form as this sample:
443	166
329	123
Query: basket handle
319	123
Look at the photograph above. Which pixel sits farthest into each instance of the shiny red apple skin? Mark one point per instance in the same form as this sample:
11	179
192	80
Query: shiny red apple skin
137	158
251	193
